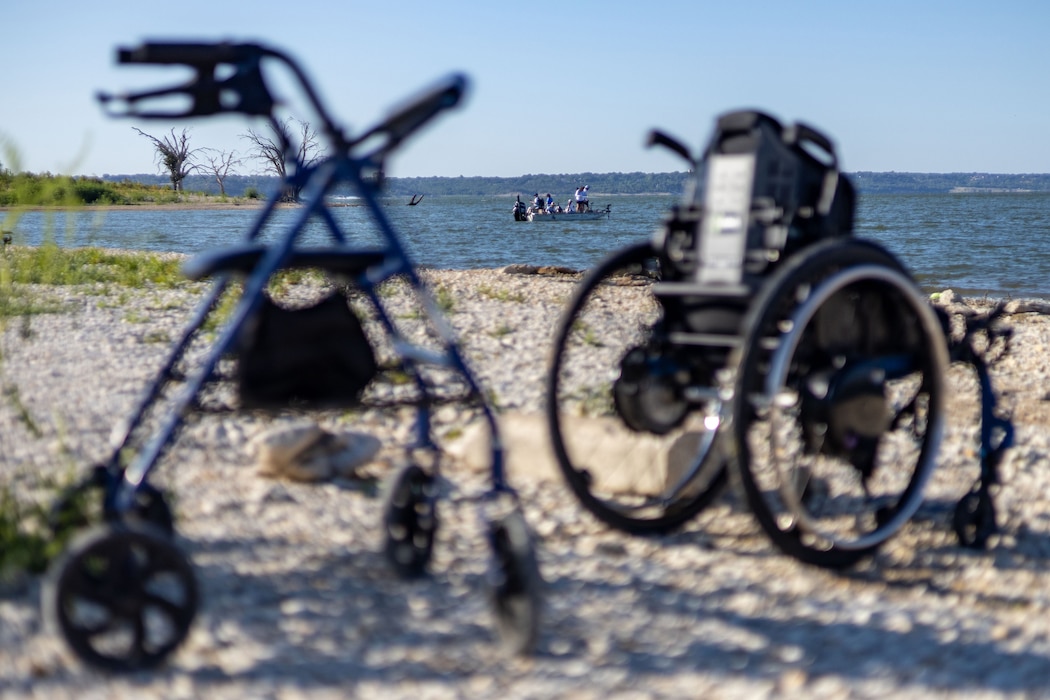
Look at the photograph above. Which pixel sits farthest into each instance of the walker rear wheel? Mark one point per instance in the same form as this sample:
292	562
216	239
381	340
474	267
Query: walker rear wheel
516	582
410	521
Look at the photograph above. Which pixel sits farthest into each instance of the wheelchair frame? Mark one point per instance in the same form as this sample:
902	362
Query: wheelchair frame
776	343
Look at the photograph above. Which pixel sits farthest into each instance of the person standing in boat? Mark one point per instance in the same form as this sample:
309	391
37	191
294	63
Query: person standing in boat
581	199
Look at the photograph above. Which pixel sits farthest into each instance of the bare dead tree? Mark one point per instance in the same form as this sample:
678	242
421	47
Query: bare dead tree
173	155
219	164
269	150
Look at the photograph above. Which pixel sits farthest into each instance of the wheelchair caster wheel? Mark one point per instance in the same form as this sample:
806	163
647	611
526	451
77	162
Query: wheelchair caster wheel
123	596
974	519
516	581
410	521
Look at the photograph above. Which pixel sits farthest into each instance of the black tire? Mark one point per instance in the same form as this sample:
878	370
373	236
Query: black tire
410	521
628	323
122	595
824	502
516	584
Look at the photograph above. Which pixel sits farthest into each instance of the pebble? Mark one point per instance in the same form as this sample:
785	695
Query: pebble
297	599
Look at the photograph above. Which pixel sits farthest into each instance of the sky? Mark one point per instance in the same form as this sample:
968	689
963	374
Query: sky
899	85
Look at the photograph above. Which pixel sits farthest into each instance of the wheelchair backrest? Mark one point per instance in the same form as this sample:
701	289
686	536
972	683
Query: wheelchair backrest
761	192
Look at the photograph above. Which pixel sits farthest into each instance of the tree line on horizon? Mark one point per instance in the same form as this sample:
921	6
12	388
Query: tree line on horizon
294	145
614	183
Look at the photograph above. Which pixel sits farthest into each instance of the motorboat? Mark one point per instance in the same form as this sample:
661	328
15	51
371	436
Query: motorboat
589	215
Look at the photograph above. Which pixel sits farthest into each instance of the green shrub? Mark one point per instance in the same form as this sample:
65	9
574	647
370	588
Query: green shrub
42	190
98	192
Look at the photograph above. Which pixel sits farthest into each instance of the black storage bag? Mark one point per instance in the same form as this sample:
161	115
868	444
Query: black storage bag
314	357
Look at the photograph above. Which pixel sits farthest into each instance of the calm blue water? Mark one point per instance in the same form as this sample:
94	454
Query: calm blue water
974	243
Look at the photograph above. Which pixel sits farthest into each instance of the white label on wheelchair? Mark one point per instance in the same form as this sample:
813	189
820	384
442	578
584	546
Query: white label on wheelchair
723	232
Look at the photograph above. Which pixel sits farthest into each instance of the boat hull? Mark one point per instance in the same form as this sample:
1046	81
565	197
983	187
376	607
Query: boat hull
570	216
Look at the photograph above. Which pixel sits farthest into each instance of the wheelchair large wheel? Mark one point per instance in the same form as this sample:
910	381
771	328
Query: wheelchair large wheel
636	452
123	596
838	402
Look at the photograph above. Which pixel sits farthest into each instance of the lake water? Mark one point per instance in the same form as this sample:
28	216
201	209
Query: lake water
974	243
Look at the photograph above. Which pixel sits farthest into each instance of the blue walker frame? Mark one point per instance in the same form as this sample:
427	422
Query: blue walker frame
128	498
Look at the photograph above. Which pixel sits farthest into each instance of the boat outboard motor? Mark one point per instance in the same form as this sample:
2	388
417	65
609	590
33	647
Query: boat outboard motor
519	210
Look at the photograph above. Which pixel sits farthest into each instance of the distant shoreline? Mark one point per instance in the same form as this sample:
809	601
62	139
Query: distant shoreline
154	206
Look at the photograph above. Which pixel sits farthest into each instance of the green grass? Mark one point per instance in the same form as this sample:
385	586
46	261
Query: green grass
52	266
24	546
586	333
594	401
284	280
12	396
227	304
501	294
152	337
31	536
445	300
135	316
27	541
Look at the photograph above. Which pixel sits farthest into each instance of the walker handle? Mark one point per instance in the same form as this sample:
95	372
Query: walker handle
403	122
244	91
190	54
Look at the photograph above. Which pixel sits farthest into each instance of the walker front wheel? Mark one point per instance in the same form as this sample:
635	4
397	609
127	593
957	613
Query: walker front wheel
516	582
123	596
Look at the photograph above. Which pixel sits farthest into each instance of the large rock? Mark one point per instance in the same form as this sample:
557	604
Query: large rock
306	452
622	461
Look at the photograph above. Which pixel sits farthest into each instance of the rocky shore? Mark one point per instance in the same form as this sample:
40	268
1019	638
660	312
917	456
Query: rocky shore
298	601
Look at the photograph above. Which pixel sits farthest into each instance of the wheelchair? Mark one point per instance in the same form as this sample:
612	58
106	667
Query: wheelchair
123	594
755	340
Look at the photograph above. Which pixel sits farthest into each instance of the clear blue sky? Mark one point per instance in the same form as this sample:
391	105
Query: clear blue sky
912	85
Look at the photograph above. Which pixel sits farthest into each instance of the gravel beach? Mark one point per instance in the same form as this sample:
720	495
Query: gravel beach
298	600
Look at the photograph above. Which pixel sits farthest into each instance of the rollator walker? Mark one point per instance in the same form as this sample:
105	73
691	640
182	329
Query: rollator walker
756	337
124	595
